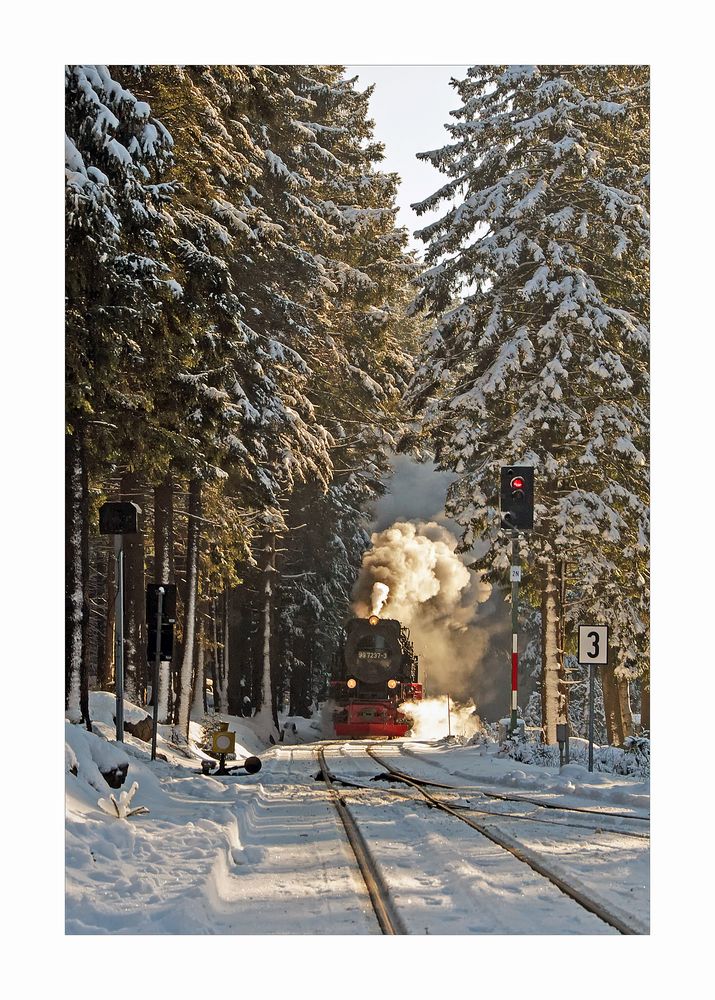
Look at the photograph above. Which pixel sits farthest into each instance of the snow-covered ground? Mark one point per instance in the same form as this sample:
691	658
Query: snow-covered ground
266	854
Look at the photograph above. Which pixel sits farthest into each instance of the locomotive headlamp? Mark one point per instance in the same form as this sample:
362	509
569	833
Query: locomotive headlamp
352	683
392	684
373	619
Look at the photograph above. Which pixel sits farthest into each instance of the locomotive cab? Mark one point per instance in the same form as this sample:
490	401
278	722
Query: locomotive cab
377	673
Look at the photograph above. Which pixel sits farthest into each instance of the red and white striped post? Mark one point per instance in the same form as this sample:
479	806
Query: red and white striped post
515	578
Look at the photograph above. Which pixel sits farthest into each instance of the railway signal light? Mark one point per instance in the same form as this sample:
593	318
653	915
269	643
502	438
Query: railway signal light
119	518
517	496
168	619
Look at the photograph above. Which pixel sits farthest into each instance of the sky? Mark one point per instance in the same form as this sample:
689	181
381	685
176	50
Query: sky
410	106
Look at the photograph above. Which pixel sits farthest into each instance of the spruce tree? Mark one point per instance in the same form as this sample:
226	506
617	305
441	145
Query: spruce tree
115	154
537	289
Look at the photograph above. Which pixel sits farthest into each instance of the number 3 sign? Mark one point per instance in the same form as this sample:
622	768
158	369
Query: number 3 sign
593	644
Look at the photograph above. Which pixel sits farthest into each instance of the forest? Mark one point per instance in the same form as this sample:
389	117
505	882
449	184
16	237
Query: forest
249	341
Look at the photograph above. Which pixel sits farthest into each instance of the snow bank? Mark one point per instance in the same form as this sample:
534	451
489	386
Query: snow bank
87	755
102	706
576	781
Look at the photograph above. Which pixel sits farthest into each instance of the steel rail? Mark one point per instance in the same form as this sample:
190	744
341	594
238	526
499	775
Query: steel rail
387	917
515	798
465	790
567	824
522	854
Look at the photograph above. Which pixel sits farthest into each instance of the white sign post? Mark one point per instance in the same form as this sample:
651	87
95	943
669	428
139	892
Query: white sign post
592	650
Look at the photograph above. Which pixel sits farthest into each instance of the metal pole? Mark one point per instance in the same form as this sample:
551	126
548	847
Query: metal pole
591	703
562	646
514	630
449	718
155	682
119	638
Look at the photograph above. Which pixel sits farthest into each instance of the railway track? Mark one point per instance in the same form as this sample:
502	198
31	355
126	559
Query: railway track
618	920
467	790
387	916
521	798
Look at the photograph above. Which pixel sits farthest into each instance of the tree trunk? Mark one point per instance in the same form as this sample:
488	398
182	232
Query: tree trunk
76	580
624	701
299	689
553	688
198	700
267	715
164	572
223	660
136	672
611	706
645	704
239	674
183	700
105	664
216	661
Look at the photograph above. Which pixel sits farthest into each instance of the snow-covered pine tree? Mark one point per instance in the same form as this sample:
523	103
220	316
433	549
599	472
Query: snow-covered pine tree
365	344
236	401
268	352
342	210
115	153
537	287
325	543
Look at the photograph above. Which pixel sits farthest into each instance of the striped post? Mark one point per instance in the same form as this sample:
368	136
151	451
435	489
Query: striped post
514	628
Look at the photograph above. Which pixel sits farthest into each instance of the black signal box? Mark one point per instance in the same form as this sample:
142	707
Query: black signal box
517	497
119	518
168	618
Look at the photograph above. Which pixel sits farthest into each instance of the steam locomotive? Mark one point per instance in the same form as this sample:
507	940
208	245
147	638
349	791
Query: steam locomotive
376	671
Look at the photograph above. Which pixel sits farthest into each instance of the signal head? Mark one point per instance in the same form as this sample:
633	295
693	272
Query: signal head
517	497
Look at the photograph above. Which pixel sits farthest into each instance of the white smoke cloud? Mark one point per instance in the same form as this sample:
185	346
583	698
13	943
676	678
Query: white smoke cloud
432	592
435	718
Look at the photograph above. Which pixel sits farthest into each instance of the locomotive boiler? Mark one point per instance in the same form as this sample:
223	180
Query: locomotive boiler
376	672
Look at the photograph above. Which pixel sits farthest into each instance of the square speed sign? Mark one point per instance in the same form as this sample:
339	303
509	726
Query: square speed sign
593	644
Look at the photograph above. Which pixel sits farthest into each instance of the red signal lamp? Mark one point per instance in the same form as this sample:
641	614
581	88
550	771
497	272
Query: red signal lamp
517	483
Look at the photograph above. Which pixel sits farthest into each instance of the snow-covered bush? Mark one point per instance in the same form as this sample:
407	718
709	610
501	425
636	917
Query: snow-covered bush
91	758
633	758
121	809
489	733
541	754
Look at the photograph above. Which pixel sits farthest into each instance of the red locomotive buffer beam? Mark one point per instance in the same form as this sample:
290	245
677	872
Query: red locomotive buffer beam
370	718
359	719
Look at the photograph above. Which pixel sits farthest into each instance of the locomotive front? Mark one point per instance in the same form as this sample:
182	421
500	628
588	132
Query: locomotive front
378	672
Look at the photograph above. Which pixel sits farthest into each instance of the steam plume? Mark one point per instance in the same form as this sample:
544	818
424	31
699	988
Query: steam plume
379	595
428	588
433	718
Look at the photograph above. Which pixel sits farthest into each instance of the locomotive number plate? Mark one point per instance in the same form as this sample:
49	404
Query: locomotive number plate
369	654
